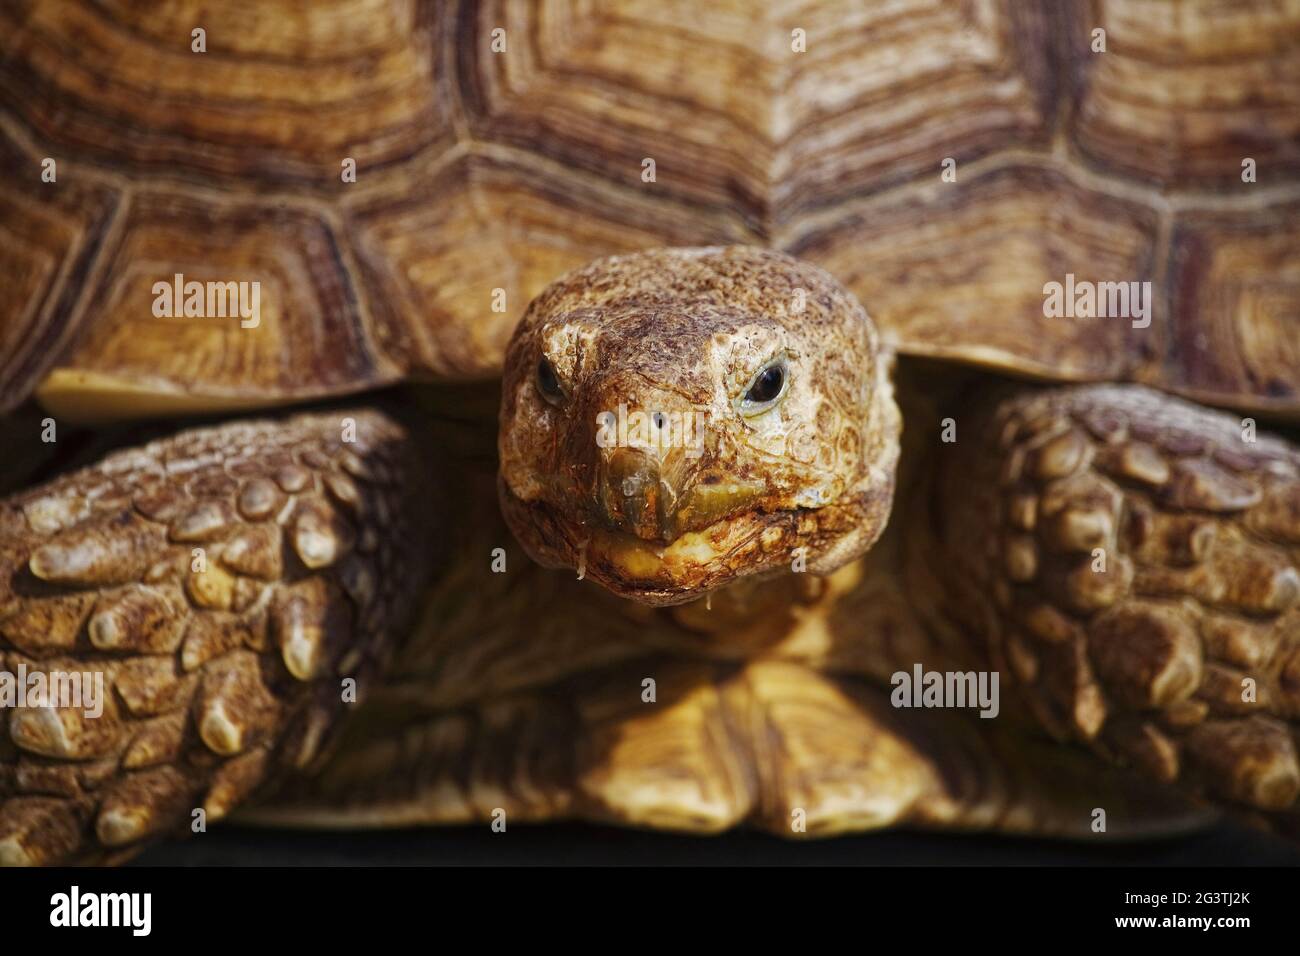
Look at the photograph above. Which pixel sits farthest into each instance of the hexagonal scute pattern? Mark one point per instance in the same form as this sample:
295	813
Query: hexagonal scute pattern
496	144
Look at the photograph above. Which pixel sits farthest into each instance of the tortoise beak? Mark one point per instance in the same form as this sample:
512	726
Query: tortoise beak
660	499
638	495
649	444
657	473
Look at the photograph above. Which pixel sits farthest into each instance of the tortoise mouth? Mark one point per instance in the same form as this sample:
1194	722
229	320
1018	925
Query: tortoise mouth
742	544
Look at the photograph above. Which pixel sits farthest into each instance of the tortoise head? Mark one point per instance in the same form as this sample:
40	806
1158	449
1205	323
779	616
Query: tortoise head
674	420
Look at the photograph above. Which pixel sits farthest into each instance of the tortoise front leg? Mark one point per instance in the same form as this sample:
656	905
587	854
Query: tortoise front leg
1132	560
218	589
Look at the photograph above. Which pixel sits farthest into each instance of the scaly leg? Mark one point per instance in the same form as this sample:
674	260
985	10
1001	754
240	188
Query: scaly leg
222	583
1133	560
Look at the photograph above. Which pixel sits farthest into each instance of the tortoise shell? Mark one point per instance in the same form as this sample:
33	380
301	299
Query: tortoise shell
401	178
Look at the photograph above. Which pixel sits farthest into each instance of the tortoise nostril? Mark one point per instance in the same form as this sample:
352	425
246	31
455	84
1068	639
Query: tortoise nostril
659	419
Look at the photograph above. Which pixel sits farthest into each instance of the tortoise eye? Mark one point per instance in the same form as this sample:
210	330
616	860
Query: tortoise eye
548	382
768	386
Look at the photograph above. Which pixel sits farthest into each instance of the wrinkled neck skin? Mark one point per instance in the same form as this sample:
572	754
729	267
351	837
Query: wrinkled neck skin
789	616
679	422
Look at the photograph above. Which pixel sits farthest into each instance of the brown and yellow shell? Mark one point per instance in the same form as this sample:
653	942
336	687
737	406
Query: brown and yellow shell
402	177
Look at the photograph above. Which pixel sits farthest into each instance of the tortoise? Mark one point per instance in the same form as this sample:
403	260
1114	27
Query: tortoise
648	415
